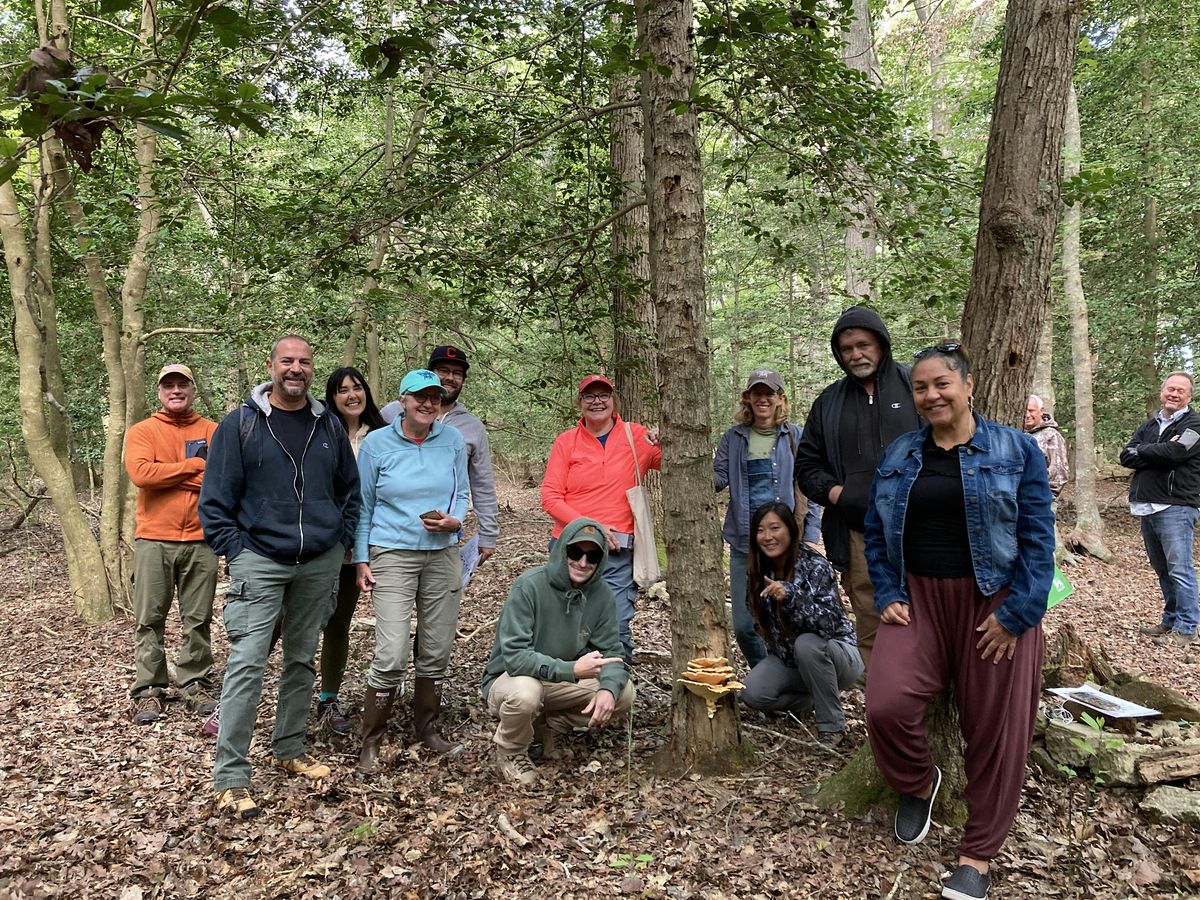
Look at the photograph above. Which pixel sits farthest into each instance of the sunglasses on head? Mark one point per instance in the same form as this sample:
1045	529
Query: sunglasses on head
575	552
938	348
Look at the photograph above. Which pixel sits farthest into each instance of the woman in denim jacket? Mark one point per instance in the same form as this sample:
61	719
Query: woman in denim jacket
960	549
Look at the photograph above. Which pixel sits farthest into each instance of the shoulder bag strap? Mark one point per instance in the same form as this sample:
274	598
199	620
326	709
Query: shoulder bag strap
636	468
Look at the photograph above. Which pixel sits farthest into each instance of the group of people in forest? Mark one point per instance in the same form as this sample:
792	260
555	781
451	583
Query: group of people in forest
939	520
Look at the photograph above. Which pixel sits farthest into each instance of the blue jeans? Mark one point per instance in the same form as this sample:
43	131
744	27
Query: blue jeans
1168	538
618	575
752	645
259	589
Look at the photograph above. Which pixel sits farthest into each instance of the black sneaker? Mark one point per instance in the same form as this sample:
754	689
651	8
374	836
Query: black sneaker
914	814
966	884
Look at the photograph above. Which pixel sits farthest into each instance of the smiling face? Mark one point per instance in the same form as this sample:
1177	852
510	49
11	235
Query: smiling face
350	399
860	352
772	536
580	570
452	376
763	404
1176	393
176	393
291	371
597	406
940	393
1033	413
421	409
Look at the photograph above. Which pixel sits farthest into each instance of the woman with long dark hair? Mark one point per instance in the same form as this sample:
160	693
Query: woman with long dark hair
960	547
349	396
812	655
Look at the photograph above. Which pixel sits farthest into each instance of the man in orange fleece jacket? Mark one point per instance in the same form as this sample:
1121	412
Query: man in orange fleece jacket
165	457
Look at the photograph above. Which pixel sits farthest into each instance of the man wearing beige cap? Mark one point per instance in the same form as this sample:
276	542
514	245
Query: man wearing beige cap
165	456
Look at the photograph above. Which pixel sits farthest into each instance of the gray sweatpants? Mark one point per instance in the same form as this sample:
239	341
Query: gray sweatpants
823	670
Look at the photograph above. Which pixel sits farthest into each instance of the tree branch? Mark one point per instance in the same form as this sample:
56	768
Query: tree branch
157	331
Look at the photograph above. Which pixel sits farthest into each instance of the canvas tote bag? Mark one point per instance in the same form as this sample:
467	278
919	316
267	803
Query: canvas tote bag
645	550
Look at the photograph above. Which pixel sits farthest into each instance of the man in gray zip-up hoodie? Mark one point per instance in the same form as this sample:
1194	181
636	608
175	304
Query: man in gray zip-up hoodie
280	502
450	365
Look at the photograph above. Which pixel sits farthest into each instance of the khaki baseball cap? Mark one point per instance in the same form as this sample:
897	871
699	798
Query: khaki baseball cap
175	369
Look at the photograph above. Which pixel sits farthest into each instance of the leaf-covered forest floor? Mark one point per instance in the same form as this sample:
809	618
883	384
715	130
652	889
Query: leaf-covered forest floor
93	806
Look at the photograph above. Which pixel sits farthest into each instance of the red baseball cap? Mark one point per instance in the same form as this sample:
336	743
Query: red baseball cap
590	380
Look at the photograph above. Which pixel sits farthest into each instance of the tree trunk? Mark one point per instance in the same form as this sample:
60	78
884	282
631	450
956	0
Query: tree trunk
1014	249
1043	367
1088	535
634	366
859	236
1151	268
935	43
675	192
85	566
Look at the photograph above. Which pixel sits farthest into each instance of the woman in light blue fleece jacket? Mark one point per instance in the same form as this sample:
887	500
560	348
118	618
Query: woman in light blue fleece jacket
413	476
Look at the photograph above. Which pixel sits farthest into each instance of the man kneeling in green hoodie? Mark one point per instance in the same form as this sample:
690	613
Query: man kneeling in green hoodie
539	677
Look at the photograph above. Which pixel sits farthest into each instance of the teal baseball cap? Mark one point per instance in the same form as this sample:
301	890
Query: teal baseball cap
418	380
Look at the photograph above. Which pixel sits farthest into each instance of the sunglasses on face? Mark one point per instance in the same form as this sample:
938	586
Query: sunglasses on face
576	553
937	348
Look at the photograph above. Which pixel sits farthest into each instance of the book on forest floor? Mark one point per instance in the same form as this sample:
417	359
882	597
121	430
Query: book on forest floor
1106	704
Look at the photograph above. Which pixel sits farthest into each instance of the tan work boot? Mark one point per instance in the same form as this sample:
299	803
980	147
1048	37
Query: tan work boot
302	765
516	767
237	802
551	741
376	712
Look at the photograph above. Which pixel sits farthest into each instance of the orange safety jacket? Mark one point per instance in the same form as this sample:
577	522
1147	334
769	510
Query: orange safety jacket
587	478
168	482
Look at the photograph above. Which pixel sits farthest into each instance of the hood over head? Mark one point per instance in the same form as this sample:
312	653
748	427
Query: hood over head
581	529
861	317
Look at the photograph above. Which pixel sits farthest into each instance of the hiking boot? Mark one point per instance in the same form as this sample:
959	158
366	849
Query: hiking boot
199	698
303	765
331	716
830	738
1154	630
967	883
914	814
516	767
237	802
1174	639
147	708
547	744
212	725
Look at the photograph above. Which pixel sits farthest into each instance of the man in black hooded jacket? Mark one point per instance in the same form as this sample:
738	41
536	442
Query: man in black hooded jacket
848	427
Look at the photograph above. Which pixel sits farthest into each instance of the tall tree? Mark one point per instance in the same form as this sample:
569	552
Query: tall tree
859	236
675	193
1018	215
1088	534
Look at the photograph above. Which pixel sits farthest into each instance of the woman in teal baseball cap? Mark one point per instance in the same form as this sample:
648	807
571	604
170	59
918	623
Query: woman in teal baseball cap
413	475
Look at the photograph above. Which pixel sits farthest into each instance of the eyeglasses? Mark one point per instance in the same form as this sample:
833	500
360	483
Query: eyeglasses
596	398
425	400
937	348
450	372
576	553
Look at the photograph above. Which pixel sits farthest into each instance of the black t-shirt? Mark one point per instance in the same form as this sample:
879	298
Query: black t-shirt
293	428
936	541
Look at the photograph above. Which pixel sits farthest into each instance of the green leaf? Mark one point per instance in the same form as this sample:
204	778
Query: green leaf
164	129
8	168
224	16
31	123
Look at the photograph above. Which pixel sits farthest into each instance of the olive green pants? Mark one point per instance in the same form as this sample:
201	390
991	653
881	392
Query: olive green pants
162	569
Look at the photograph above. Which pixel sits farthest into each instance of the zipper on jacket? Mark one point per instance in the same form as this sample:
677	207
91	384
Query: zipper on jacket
295	490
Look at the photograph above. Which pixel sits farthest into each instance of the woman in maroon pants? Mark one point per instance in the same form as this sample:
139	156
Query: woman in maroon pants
960	549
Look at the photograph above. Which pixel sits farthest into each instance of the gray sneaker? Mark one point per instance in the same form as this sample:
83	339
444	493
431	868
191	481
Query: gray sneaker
914	814
517	768
967	883
147	708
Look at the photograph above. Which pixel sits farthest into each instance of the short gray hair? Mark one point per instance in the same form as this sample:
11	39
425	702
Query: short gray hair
288	337
1034	398
1187	375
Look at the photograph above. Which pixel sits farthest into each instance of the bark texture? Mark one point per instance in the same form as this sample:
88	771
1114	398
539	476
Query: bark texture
1018	216
699	623
85	566
1088	535
859	236
635	368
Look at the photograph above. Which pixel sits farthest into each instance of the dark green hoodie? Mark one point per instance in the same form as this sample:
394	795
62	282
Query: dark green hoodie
547	621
